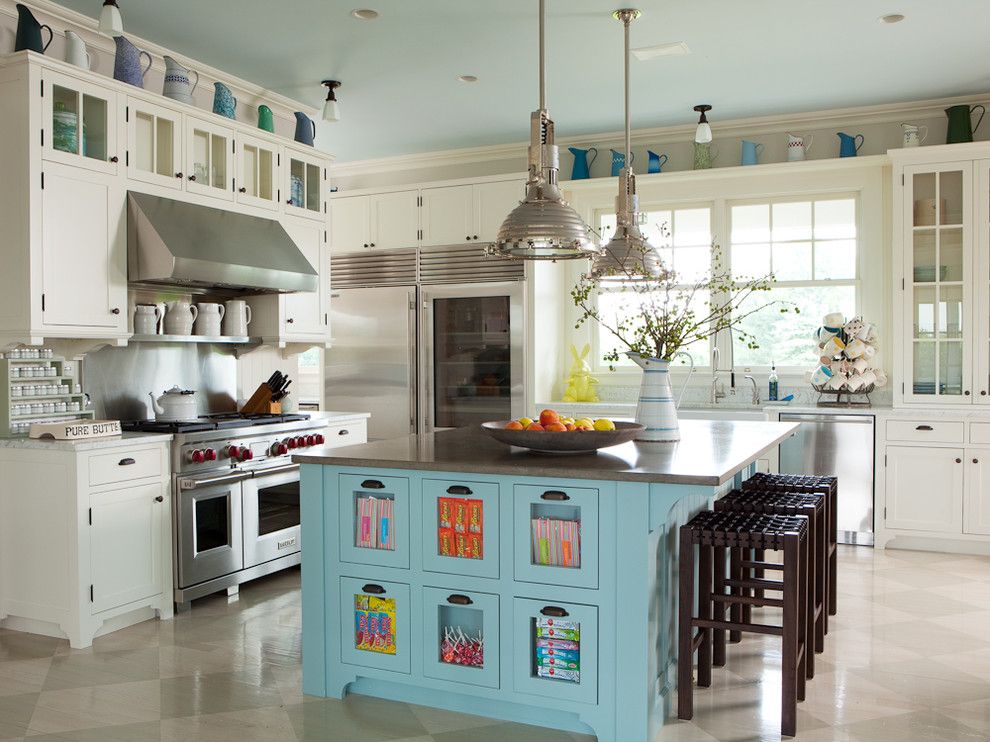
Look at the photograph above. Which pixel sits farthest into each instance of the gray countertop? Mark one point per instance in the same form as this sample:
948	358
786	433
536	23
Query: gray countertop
710	452
86	444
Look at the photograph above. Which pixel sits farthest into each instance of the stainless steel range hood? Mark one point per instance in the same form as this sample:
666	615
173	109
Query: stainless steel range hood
180	244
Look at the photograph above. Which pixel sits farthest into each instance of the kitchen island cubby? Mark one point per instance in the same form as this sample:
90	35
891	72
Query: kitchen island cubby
555	605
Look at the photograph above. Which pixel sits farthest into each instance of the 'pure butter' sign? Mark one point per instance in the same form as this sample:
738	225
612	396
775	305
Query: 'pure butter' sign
76	429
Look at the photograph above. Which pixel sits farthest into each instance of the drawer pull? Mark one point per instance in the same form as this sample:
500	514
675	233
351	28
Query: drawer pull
457	599
555	495
343	432
372	484
459	489
552	610
373	589
126	462
924	427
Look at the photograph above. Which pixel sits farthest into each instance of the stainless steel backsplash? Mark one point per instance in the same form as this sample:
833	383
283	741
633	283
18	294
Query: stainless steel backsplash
119	379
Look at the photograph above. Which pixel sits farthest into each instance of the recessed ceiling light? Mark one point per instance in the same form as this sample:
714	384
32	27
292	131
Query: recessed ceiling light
468	78
892	18
675	49
365	14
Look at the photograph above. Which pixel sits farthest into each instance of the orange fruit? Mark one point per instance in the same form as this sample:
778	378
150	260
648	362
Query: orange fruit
549	416
534	426
583	428
570	427
557	428
513	425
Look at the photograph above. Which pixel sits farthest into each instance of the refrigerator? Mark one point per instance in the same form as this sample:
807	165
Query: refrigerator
421	358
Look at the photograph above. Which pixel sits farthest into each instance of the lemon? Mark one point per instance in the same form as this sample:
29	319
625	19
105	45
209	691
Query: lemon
604	424
525	422
567	420
585	422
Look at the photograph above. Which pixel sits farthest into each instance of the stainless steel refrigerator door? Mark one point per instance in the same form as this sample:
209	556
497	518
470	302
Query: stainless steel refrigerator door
840	446
471	363
371	366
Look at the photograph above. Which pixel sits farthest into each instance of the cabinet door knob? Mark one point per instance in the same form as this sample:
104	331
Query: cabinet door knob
160	498
372	244
178	175
976	461
983	393
115	310
289	202
242	189
290	320
958	461
966	392
468	237
114	159
192	177
476	237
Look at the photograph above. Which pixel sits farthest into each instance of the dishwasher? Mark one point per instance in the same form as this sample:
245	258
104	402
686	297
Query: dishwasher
840	446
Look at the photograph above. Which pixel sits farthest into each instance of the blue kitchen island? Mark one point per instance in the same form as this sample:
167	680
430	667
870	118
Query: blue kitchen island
452	571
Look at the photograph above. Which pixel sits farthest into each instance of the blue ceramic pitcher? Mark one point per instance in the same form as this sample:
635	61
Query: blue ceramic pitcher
750	153
29	32
305	129
619	161
582	165
224	102
656	163
850	145
127	62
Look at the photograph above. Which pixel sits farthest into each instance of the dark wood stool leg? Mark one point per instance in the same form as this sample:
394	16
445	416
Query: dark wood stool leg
735	573
705	613
821	591
685	631
791	629
833	572
808	603
718	635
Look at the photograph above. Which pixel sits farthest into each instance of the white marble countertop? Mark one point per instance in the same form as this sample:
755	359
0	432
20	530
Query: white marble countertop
88	444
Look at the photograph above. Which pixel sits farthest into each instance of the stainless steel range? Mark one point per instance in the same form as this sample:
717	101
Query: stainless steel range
235	497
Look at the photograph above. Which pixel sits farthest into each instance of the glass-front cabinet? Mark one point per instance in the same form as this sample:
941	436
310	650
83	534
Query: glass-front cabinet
209	159
939	289
80	127
303	184
154	144
257	173
981	282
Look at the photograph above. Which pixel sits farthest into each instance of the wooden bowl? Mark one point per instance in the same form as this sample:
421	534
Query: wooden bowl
585	441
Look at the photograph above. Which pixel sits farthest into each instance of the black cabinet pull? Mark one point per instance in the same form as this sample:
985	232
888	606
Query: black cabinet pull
192	177
115	310
365	244
373	589
242	189
114	159
552	610
459	489
372	484
457	599
476	236
966	392
126	462
290	320
178	175
555	495
958	461
343	432
373	244
976	461
160	498
924	427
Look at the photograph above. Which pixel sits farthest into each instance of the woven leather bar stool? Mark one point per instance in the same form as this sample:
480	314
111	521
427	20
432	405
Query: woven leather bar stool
713	533
771	503
828	487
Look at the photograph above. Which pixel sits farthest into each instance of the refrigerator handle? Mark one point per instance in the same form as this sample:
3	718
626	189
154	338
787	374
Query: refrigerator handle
413	344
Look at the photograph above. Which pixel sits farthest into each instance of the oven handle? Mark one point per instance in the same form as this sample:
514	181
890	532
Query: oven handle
258	473
192	484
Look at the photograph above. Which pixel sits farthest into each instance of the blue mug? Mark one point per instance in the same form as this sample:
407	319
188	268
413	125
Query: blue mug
849	145
750	153
619	161
656	162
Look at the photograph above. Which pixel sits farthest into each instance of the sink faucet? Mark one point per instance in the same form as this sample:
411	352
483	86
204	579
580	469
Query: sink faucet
718	391
756	391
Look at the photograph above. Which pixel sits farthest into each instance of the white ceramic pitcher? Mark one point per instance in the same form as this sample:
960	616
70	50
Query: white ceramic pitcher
798	146
208	319
656	408
236	318
179	317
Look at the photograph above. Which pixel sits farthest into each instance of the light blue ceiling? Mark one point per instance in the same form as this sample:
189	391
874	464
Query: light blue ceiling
400	93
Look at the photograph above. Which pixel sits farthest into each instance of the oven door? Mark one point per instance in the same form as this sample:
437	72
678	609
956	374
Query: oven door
209	538
271	515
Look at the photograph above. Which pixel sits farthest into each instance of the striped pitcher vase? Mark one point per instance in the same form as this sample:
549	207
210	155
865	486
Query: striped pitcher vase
656	409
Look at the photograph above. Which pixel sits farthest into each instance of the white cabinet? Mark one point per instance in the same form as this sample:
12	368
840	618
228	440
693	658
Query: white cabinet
209	159
492	203
304	184
154	144
79	123
350	223
394	220
447	215
976	508
83	256
306	314
924	489
257	175
84	553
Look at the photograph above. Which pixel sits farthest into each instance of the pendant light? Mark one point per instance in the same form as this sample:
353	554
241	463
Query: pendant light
628	256
331	109
543	226
110	20
703	134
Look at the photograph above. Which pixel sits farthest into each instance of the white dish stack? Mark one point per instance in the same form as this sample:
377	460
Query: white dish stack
847	350
38	387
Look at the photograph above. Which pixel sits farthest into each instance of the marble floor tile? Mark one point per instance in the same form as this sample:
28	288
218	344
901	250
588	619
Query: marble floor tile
15	714
356	718
917	726
250	725
81	669
23	676
101	705
196	695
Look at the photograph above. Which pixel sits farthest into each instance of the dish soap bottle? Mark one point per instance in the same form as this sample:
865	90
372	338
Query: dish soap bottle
772	395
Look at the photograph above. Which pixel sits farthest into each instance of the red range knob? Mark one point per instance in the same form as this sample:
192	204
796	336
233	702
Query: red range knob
292	442
246	454
283	449
197	456
210	454
320	440
310	440
232	452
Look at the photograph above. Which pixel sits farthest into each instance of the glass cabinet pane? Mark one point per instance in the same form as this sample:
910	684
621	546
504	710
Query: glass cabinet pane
924	256
950	311
154	145
313	187
950	253
265	187
164	147
924	199
950	197
249	168
924	313
461	637
219	162
950	370
297	183
94	128
65	120
201	156
924	367
257	167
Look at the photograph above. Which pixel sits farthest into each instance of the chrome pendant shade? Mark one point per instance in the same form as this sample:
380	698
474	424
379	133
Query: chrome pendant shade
543	226
628	256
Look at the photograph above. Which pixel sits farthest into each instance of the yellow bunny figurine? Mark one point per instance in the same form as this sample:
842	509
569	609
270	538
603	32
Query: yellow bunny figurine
580	382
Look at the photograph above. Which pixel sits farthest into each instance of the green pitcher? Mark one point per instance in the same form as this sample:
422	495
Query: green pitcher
704	155
960	128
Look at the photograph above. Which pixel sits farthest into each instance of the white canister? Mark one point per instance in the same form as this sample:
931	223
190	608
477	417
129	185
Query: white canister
236	318
146	318
209	318
179	318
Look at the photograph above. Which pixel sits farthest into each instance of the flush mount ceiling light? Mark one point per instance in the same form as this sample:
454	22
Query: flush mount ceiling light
676	49
467	78
892	18
364	14
110	20
703	134
627	256
543	226
331	109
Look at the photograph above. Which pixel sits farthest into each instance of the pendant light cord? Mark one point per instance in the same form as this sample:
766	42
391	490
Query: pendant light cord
625	23
543	55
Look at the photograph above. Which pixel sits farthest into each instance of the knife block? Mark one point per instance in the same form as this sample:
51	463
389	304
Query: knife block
261	402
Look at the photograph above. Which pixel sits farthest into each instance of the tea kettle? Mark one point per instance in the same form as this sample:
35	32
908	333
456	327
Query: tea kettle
175	405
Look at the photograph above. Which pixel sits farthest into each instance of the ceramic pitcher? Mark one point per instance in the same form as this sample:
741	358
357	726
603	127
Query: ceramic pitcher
619	162
177	85
582	165
179	317
849	145
656	408
656	162
704	155
146	318
76	52
914	136
236	317
960	127
29	32
305	129
266	119
798	146
224	102
208	319
127	62
750	154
